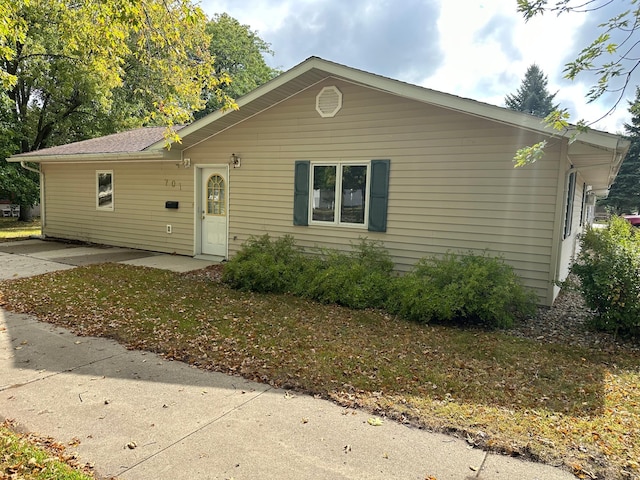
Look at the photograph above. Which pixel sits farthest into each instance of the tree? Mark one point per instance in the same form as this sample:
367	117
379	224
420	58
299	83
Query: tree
74	70
612	62
532	97
624	196
239	53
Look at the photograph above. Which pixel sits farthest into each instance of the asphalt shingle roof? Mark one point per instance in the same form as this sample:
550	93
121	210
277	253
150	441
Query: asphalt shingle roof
124	142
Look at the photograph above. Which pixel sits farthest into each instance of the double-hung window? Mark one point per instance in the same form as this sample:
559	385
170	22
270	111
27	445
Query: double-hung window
339	193
351	194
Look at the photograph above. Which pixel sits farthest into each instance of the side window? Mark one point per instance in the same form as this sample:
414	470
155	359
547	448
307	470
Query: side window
568	215
345	194
104	190
339	193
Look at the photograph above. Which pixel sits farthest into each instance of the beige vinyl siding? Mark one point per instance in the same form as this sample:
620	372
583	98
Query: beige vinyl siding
452	181
139	218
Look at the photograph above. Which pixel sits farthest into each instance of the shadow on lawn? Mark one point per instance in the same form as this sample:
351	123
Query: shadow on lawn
31	350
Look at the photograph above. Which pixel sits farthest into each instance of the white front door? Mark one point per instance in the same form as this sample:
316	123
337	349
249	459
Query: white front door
215	195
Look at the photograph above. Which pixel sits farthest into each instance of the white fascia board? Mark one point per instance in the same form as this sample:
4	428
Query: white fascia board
93	157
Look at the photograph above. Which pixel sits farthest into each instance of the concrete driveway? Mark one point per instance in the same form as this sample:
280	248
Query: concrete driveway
34	257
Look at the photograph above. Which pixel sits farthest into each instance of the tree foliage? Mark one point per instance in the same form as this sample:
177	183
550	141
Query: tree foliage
532	96
624	196
239	53
75	70
612	62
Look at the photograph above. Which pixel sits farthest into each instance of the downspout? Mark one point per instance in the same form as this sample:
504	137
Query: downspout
24	165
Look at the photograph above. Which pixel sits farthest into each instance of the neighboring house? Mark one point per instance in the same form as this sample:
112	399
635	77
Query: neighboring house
328	154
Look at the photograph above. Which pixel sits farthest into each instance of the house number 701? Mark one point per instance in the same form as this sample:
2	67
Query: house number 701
172	183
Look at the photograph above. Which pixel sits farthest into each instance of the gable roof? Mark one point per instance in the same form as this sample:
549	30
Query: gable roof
587	151
315	69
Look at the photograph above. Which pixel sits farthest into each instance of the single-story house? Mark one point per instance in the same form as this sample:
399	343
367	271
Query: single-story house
329	154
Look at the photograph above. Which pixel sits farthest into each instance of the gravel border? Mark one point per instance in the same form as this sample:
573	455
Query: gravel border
567	322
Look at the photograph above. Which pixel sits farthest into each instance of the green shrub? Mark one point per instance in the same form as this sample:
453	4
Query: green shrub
263	265
358	279
471	288
608	267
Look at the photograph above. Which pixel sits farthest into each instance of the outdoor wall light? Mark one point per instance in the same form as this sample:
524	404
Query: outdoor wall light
234	160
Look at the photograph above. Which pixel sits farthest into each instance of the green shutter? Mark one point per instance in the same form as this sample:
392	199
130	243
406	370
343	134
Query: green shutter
568	216
379	195
301	193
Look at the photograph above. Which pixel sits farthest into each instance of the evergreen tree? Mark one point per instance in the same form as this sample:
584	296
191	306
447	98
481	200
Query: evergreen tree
624	196
532	97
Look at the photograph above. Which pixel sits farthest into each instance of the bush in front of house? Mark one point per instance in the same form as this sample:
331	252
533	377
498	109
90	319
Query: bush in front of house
265	265
608	267
469	288
357	279
475	289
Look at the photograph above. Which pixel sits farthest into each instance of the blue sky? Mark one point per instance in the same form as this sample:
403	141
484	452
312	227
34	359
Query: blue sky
474	49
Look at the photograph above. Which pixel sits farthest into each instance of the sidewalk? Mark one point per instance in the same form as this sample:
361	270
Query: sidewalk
138	416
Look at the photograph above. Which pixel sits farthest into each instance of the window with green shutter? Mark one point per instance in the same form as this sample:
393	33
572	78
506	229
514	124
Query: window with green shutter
342	193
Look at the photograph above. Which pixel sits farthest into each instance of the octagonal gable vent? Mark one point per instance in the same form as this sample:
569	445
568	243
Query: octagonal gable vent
329	101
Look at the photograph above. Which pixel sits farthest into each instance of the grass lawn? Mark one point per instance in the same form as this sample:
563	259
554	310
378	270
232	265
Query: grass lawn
548	402
28	457
12	229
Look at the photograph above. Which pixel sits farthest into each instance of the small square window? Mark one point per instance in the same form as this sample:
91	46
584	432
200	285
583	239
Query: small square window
104	190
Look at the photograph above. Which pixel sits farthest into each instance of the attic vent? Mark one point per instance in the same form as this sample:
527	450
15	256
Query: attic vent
329	101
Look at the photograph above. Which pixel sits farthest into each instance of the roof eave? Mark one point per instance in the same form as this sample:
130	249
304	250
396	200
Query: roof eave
147	155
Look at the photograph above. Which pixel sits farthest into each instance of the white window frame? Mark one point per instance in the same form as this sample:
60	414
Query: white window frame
338	202
110	207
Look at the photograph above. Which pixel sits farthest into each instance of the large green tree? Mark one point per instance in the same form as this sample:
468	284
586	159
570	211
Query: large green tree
624	196
72	70
612	57
532	96
239	53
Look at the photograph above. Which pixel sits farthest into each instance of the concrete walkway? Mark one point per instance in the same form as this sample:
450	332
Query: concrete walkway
136	416
34	257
